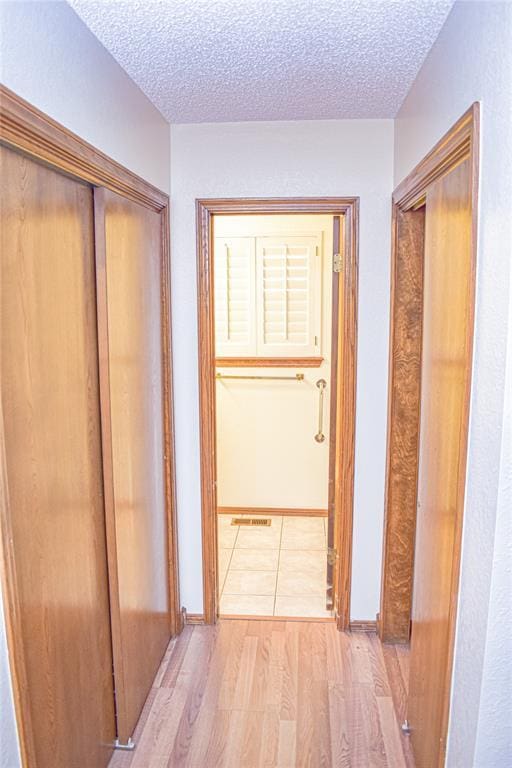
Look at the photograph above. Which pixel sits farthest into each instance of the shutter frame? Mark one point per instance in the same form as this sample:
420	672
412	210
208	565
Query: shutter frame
280	280
289	286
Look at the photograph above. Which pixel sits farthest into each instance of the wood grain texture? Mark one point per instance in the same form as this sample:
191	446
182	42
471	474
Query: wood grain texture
207	409
348	210
267	205
403	424
58	601
176	613
268	362
130	273
446	371
333	488
346	415
283	511
260	694
28	129
457	144
454	224
13	621
31	132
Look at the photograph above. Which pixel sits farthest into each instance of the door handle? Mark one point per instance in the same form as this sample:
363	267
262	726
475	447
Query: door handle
321	384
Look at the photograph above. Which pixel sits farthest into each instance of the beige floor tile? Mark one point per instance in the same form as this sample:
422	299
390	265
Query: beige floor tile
224	521
301	584
250	557
306	524
227	533
301	607
254	560
250	583
312	562
225	556
295	538
259	538
248	605
224	559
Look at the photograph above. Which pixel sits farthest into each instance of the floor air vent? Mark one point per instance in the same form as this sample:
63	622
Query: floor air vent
250	521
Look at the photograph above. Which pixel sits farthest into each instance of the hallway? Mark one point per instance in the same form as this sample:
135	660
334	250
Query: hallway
256	384
245	694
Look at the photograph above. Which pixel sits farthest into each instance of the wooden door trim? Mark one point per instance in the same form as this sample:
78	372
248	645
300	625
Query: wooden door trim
13	625
28	130
169	458
402	425
347	207
459	143
333	592
269	362
270	511
107	456
176	618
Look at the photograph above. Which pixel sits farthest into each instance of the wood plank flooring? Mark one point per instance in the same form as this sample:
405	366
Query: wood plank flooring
258	694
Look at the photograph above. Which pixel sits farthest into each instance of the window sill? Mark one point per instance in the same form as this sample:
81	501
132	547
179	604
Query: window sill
269	362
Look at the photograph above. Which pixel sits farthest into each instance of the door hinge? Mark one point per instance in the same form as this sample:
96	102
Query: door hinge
337	262
128	747
332	556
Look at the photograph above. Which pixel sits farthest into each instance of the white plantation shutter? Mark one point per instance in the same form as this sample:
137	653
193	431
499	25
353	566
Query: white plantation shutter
288	302
268	296
235	329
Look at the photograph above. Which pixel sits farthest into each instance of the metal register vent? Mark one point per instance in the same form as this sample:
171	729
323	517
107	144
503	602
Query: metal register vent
250	521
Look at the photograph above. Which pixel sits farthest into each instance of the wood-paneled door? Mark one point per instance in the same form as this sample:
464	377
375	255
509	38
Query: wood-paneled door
88	547
52	464
435	212
130	277
446	355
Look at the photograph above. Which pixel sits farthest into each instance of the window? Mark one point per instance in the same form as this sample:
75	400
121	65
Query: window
268	296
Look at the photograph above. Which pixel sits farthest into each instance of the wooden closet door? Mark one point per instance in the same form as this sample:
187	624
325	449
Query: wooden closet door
50	404
129	269
446	358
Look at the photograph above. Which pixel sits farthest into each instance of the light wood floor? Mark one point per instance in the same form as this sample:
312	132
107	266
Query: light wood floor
246	694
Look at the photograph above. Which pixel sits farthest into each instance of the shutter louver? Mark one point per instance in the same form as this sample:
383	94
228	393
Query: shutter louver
288	300
234	296
267	296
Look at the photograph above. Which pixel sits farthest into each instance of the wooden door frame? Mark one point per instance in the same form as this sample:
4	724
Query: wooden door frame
461	142
206	209
26	129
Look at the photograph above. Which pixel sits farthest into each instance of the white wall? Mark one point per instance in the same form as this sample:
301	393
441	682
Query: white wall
266	452
472	61
494	734
338	157
49	57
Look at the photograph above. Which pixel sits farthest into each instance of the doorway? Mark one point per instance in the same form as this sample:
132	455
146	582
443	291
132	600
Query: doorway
277	333
432	309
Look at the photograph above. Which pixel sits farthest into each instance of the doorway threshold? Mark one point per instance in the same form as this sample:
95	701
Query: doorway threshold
309	619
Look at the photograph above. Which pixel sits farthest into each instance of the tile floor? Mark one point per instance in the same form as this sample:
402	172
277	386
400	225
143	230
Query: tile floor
278	570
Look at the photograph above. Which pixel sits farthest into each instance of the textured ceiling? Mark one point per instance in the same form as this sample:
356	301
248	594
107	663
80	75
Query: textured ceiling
231	60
